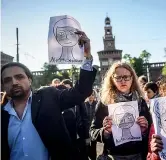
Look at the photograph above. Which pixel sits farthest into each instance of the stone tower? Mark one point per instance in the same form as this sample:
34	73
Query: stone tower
110	54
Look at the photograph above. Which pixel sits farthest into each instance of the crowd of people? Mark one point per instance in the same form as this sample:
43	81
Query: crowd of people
65	122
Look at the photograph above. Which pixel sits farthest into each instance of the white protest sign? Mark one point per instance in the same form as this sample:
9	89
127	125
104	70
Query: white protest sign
158	110
124	127
63	45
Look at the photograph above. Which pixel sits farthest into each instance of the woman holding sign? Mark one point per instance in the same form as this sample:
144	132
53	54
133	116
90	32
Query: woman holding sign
122	118
156	143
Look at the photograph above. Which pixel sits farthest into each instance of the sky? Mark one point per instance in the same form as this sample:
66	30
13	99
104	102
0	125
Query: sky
137	25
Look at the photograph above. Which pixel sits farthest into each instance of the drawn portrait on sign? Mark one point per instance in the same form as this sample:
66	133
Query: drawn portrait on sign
124	126
158	109
66	37
125	120
160	112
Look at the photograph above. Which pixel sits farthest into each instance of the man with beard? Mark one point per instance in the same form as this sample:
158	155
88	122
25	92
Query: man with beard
32	123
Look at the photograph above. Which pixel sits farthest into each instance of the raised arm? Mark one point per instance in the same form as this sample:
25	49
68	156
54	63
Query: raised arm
83	87
81	90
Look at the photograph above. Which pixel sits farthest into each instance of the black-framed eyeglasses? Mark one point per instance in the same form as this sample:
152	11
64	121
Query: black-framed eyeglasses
120	78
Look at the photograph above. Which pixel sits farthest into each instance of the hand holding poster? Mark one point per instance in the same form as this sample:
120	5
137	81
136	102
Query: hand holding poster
63	45
124	127
158	110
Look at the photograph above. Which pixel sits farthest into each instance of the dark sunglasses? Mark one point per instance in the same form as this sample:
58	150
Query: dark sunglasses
120	78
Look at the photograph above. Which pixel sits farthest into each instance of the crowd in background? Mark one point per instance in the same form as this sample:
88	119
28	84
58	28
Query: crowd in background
65	121
89	123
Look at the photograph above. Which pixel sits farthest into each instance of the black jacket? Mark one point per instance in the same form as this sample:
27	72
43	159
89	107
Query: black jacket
109	146
90	108
70	122
82	122
47	106
76	120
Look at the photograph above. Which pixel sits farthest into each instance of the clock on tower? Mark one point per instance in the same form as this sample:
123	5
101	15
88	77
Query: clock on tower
109	44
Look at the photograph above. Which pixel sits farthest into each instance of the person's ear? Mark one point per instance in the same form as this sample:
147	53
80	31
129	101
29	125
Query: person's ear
30	81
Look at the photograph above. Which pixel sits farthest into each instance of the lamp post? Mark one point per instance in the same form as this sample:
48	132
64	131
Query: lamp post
148	73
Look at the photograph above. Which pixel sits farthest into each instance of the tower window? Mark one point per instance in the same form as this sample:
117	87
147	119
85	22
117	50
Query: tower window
108	31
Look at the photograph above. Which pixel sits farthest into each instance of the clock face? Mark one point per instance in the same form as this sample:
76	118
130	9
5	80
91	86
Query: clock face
109	44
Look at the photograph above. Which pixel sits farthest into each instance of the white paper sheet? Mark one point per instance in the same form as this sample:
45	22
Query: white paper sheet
63	45
125	128
158	110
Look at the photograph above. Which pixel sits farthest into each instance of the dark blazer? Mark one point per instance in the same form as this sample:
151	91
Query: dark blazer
90	108
82	122
126	148
47	106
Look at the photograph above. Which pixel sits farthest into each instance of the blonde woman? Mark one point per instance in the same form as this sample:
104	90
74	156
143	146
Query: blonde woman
120	85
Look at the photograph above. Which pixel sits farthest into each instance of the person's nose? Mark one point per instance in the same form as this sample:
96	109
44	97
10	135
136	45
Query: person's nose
68	35
14	81
123	81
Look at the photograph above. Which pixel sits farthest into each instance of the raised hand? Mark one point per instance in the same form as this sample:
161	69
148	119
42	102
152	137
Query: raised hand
84	41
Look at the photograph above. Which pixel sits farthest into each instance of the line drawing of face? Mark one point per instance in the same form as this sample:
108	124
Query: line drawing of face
64	32
125	120
163	121
66	37
122	112
160	111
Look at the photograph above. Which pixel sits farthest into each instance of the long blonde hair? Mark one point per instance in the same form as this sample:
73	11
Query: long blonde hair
109	91
162	86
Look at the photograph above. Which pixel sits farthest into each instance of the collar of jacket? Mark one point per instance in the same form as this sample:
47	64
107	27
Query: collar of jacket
35	106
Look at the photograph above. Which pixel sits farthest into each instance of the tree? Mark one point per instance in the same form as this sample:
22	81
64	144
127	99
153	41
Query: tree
127	57
50	72
136	63
145	56
74	73
164	70
65	74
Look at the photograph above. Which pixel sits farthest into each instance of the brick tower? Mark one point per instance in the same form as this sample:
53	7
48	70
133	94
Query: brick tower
110	54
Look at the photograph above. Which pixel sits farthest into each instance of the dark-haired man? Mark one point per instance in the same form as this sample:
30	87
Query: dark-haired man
32	124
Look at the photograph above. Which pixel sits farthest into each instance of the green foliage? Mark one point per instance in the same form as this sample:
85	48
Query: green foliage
164	70
74	73
145	56
138	66
138	62
50	72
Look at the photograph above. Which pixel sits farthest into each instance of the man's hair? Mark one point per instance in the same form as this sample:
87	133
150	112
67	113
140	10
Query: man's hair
16	64
151	85
144	78
61	87
67	81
